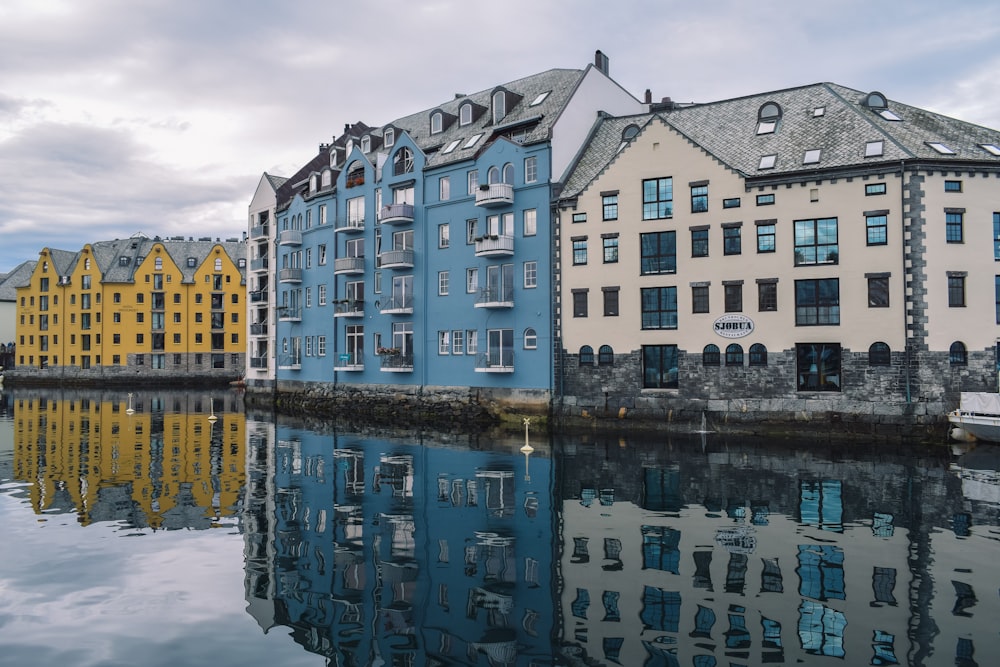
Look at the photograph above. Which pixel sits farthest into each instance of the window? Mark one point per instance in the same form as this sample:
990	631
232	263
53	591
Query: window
530	169
817	302
605	356
402	162
444	342
443	283
610	301
465	114
953	224
437	122
873	148
956	291
472	141
659	307
530	275
579	250
499	106
471	280
811	156
473	181
818	366
733	292
766	236
996	236
579	303
996	292
732	243
444	235
699	242
943	149
610	249
816	242
659	366
458	341
699	299
767	161
758	355
765	200
767	117
530	222
579	217
444	188
586	356
710	355
699	198
472	341
470	232
530	339
657	198
731	202
879	355
878	291
957	355
953	186
734	355
658	253
878	229
320	296
874	189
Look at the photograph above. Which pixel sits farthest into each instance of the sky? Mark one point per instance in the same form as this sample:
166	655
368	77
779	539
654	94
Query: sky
160	116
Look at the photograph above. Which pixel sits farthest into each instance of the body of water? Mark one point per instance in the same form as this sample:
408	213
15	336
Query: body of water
174	529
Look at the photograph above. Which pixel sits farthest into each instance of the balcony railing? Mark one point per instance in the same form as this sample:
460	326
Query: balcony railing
291	362
396	363
396	214
495	297
350	225
290	275
397	305
290	237
259	363
260	231
349	308
258	329
286	314
495	246
259	264
349	265
495	194
258	296
497	361
396	259
350	361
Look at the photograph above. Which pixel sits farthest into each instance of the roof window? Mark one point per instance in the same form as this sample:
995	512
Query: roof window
767	161
819	111
992	149
811	156
767	117
472	140
452	146
888	115
874	148
940	148
541	98
878	103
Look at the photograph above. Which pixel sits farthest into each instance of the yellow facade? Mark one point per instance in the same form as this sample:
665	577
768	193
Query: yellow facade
135	307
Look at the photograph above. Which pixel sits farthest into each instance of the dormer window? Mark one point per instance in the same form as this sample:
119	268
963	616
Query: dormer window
437	122
878	103
389	138
767	118
312	183
191	262
366	144
465	114
350	146
333	158
499	106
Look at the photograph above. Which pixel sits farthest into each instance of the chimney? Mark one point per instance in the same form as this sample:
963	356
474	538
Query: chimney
601	62
649	96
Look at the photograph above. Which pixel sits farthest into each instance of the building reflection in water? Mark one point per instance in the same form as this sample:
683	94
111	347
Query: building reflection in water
164	465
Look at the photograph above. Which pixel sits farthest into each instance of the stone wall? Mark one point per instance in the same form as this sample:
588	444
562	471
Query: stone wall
185	373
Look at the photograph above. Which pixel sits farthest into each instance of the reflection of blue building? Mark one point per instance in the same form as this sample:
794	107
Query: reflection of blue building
407	553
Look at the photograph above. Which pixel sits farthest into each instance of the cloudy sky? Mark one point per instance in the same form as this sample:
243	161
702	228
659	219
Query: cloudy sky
159	116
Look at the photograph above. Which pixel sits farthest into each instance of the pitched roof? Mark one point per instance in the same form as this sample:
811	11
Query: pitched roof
18	277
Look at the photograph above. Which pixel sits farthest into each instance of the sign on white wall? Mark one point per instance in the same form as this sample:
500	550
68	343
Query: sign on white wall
733	325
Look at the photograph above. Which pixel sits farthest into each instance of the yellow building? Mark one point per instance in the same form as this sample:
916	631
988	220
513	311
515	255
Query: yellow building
152	309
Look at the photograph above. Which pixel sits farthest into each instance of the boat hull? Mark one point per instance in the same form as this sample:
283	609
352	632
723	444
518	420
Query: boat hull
979	426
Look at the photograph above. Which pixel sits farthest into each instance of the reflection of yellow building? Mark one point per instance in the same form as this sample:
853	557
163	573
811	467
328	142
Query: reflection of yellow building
137	306
165	465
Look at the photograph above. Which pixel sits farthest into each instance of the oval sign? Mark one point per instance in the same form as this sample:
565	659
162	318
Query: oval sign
733	325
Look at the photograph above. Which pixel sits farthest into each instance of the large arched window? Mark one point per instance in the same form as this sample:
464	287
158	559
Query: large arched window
734	355
508	173
605	356
879	355
355	174
957	355
493	175
710	355
402	161
586	356
758	355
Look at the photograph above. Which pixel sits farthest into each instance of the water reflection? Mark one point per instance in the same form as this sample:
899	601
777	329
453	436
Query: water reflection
390	548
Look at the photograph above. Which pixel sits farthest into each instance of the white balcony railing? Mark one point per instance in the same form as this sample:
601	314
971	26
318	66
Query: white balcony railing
495	194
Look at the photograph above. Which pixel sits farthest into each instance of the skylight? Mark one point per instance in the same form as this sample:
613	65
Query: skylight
767	161
819	111
874	148
811	156
541	98
766	126
940	148
472	141
993	149
452	146
888	115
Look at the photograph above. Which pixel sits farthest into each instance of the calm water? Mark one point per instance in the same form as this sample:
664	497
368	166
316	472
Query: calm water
162	536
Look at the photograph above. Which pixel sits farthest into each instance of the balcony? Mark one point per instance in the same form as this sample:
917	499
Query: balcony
396	363
349	266
258	329
397	305
290	237
350	361
349	308
352	225
259	264
494	246
396	259
258	363
290	275
396	214
259	232
495	194
497	361
495	297
286	314
290	362
258	296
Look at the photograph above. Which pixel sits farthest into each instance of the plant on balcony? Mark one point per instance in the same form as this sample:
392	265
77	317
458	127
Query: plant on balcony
387	351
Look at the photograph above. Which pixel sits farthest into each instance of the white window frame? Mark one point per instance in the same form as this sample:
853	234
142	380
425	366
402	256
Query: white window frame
471	280
531	169
458	341
444	342
530	224
471	341
444	188
321	295
472	179
444	235
530	274
465	114
321	346
444	280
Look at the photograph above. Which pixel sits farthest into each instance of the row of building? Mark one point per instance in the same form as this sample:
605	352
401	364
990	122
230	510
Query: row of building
557	241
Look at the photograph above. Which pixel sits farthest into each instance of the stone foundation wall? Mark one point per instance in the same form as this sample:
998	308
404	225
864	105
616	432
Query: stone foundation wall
185	373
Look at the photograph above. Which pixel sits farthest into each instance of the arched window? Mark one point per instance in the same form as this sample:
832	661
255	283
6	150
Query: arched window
957	355
157	264
389	137
366	144
465	114
734	355
710	355
758	355
326	178
493	175
312	183
876	100
499	106
530	339
605	356
586	356
218	263
629	132
508	173
355	174
878	354
402	162
767	117
437	122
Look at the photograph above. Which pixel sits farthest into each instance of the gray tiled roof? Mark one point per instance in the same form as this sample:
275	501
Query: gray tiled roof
19	277
728	131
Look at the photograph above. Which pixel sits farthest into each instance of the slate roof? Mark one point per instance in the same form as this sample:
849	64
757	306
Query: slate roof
18	277
728	131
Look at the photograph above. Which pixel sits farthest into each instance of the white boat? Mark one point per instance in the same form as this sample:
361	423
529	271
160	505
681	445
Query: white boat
977	417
